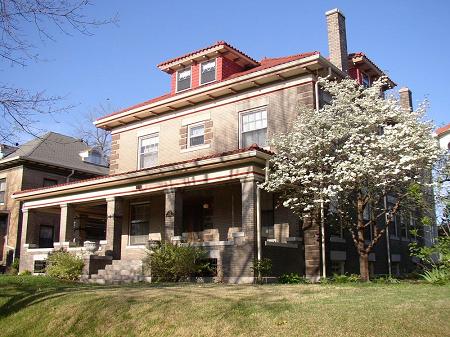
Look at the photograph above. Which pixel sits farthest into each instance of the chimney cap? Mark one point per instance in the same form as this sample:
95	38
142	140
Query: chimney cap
335	10
404	89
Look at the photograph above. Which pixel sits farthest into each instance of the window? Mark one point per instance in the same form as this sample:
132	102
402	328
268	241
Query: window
39	266
403	227
2	190
338	267
196	134
394	226
254	128
365	80
139	224
324	98
49	182
208	72
184	79
45	236
148	151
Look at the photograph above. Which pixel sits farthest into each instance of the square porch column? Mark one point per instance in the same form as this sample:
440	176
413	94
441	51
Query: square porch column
173	213
23	240
114	211
66	224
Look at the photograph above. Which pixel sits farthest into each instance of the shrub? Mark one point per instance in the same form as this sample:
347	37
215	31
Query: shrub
64	266
174	263
13	269
337	278
292	278
437	276
386	280
262	268
25	273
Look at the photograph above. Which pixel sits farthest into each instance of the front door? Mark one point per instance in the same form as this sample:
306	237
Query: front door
45	236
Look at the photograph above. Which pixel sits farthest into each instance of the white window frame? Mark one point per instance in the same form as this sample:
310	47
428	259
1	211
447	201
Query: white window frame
200	72
245	112
190	126
4	191
176	79
130	245
140	138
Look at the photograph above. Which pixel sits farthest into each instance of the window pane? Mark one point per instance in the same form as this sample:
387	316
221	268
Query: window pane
2	184
184	79
197	135
148	151
139	227
208	71
2	197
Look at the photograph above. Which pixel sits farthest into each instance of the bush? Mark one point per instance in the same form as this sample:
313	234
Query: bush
352	278
262	268
386	280
174	263
292	278
438	276
13	269
25	273
64	266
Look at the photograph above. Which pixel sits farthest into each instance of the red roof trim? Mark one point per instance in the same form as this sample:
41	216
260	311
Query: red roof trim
264	64
443	129
212	156
218	43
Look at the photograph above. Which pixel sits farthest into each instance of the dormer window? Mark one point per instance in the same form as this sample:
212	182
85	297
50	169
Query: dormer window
208	71
93	156
184	79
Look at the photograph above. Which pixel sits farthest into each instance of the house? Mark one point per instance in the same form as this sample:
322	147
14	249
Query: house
443	136
185	168
47	161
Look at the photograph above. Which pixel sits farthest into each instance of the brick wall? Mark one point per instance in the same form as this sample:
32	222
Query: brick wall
281	105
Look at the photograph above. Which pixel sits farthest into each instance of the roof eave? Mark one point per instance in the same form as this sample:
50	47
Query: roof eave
254	155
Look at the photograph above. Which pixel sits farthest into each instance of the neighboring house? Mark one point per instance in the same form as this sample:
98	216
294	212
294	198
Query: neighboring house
51	160
185	167
443	135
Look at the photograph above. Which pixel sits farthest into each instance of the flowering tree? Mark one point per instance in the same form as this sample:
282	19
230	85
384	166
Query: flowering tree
350	154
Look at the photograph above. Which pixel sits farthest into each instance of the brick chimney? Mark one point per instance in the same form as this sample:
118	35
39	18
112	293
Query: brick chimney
406	99
337	39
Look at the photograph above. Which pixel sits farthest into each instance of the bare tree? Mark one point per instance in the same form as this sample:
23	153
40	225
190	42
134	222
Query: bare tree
91	135
19	108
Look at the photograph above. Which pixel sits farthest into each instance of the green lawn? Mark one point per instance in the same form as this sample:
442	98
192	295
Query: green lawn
39	306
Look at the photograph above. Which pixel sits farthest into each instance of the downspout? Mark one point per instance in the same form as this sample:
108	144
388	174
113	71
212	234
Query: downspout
322	209
70	176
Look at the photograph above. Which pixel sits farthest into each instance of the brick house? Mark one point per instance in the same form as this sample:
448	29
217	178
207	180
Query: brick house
42	162
185	168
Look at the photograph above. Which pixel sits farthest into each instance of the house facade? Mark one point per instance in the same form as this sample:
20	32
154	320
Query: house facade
50	160
185	168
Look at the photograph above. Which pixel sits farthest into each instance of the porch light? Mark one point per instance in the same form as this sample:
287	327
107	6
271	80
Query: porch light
205	205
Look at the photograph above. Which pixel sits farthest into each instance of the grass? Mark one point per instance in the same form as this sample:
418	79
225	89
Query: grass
40	306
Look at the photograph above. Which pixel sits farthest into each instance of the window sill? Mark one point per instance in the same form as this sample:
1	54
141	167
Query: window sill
195	148
136	247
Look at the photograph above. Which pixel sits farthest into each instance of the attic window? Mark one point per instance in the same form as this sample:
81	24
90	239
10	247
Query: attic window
183	79
208	72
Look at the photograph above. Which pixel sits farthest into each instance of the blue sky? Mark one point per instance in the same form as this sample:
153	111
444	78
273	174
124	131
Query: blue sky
409	40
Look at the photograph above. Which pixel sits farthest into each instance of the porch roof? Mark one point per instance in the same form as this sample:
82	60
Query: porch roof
252	154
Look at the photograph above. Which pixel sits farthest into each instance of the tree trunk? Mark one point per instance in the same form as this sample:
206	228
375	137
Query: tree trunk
364	266
363	255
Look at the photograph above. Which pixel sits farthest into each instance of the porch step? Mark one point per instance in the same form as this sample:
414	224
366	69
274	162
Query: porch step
119	272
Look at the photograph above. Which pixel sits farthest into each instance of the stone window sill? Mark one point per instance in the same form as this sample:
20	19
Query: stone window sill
195	148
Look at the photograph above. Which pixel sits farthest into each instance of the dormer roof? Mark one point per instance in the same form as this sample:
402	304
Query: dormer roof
360	60
221	48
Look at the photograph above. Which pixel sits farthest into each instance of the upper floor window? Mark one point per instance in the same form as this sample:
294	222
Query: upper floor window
2	190
365	80
49	182
196	134
184	79
148	150
208	71
254	128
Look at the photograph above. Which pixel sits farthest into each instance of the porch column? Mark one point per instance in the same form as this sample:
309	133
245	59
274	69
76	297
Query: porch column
311	239
23	239
173	213
114	211
251	212
66	224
